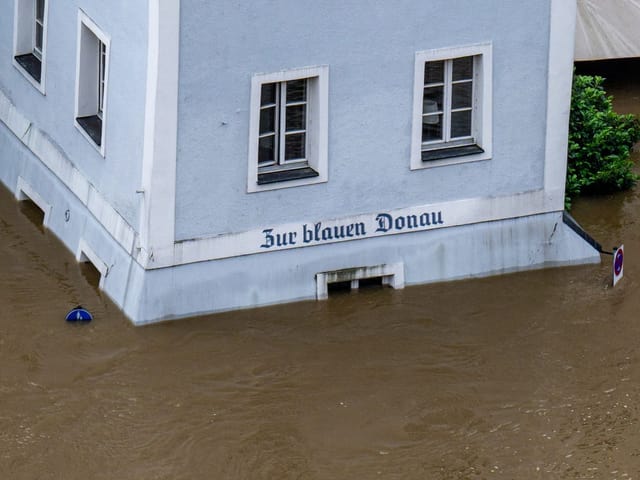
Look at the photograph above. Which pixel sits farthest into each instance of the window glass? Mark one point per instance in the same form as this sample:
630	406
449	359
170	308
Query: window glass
38	40
296	117
39	10
433	99
295	146
461	124
268	94
431	128
296	91
461	95
434	72
267	120
462	68
266	149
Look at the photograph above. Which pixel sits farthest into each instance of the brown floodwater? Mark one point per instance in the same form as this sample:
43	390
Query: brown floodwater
534	375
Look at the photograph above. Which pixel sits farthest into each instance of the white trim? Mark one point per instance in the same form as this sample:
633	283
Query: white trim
24	191
392	275
86	253
483	85
23	38
158	188
317	132
456	213
82	98
559	78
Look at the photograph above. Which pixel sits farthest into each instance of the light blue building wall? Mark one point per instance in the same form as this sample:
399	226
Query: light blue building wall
369	49
116	175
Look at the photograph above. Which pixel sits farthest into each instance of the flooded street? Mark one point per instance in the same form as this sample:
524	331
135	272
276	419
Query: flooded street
524	376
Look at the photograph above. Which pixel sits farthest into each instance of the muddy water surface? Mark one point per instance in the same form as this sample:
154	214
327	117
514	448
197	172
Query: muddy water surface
532	375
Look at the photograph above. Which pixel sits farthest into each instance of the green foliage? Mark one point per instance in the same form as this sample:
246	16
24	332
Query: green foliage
600	142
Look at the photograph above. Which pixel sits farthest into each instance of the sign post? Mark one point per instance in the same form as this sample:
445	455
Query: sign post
618	268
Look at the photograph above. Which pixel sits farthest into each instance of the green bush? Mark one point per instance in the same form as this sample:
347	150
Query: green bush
600	142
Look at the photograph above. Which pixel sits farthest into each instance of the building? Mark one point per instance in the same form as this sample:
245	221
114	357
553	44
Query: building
607	29
209	156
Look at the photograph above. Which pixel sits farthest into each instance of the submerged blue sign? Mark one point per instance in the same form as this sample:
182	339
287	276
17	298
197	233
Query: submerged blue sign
78	314
380	224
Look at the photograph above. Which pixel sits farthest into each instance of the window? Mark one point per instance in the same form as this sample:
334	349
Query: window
447	107
91	81
30	29
283	128
288	139
452	106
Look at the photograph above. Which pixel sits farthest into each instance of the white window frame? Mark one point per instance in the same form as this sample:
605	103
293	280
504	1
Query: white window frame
24	38
280	114
482	105
316	127
38	22
92	77
102	78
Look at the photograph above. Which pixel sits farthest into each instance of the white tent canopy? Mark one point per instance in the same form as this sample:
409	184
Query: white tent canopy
607	29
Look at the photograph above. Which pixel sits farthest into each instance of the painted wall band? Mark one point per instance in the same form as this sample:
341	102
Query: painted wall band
377	224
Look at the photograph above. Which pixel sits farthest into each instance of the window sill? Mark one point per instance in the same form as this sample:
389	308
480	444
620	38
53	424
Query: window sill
286	175
92	125
450	152
31	65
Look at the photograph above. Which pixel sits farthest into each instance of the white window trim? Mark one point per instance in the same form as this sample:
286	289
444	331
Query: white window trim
24	38
317	131
482	110
85	21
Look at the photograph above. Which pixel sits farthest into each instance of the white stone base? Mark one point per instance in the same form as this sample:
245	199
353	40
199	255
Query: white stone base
422	257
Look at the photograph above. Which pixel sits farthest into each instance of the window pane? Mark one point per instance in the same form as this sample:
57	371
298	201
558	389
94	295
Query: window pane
461	124
102	52
297	91
462	68
432	100
38	40
434	72
461	95
268	94
267	149
103	61
294	146
39	10
431	128
267	120
296	118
